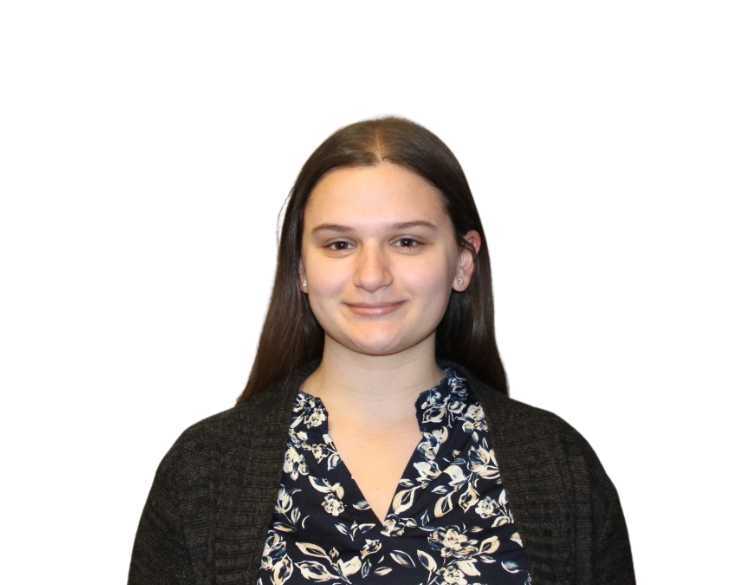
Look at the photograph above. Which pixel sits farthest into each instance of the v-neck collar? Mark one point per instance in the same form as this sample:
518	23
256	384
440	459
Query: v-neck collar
436	409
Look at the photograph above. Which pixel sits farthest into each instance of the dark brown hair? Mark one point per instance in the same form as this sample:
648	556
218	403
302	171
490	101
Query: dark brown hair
291	335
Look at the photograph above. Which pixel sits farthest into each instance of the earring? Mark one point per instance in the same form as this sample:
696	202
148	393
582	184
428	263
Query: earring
304	283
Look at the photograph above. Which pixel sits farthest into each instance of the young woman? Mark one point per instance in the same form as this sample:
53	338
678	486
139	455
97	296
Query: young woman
375	441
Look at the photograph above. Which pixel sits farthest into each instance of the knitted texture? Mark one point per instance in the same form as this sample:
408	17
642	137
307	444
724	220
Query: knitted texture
211	501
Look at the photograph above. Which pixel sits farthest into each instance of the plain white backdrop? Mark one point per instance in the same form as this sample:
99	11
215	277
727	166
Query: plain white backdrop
146	150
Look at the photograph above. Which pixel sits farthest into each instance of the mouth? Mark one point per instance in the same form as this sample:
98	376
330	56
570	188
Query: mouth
374	310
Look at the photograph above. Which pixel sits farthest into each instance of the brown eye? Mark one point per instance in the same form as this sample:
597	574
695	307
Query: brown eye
329	246
416	242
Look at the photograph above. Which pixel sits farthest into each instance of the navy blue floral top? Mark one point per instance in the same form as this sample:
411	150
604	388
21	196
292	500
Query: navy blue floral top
449	521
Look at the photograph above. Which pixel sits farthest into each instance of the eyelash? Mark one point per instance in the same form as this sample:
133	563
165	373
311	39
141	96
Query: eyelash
418	244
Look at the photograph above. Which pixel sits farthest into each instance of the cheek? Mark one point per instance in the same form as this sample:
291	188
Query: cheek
329	283
332	277
430	278
325	276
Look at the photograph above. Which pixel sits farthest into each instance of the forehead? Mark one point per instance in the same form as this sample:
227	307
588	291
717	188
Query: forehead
369	193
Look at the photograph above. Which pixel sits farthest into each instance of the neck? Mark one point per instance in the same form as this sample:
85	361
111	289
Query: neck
373	391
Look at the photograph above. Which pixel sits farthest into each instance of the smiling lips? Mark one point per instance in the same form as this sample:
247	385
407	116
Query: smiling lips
373	310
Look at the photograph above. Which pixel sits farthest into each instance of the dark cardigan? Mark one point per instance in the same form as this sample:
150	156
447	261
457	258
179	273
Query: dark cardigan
211	501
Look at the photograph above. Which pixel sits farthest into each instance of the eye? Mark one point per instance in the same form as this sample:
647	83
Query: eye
416	242
329	246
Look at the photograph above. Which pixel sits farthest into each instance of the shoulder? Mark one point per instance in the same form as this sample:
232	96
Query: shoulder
520	422
541	433
206	441
528	433
536	422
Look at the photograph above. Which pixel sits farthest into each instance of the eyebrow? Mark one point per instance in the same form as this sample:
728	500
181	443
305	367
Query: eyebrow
398	226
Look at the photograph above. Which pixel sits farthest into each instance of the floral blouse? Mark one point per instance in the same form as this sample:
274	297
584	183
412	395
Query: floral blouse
449	523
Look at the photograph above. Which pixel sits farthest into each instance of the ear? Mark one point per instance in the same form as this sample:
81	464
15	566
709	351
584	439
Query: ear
465	264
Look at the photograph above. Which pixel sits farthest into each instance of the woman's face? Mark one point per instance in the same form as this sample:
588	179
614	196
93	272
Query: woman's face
370	260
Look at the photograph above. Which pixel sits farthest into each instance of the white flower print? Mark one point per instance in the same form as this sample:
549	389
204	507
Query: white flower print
452	542
483	463
451	576
397	526
284	501
498	510
275	546
294	463
432	442
319	452
428	472
315	418
333	505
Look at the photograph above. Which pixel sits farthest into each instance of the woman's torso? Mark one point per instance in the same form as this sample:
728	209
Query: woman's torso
424	503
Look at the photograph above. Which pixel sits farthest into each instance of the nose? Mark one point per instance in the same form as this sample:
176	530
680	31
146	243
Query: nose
372	269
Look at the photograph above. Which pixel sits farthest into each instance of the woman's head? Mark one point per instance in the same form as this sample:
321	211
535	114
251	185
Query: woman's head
366	177
380	234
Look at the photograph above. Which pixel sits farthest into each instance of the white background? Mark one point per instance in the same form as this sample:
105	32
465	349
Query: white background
146	149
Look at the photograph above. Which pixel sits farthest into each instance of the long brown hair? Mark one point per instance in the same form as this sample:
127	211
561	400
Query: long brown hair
291	335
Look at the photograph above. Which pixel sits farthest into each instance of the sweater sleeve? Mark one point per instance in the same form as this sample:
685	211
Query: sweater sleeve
160	555
610	560
613	557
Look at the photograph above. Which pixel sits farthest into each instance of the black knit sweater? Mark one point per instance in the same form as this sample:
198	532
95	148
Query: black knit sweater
212	498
